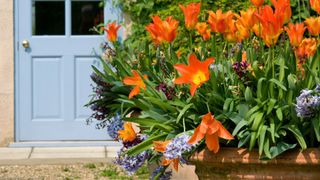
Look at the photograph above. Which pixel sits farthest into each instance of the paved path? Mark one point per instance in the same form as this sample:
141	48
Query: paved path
54	155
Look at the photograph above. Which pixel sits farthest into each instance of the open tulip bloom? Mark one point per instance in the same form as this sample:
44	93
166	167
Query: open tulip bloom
248	79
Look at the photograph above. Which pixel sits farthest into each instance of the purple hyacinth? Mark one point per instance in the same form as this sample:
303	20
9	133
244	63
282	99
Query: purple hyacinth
308	103
167	90
114	125
131	163
177	147
240	68
164	176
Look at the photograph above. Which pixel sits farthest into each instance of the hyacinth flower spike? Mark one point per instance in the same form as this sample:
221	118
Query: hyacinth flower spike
128	133
195	74
210	129
137	81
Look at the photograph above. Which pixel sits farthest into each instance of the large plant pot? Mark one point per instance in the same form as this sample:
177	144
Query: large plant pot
233	163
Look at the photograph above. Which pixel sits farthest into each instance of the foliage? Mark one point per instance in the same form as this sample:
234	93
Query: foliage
256	87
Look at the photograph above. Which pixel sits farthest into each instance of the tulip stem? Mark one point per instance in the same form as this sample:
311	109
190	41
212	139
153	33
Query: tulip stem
299	9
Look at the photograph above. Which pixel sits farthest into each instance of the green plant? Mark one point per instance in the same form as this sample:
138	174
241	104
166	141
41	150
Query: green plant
250	78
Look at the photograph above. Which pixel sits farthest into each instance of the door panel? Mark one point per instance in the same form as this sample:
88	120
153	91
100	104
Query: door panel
53	74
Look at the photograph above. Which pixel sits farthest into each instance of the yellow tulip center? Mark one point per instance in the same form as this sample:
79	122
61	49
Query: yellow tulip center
199	78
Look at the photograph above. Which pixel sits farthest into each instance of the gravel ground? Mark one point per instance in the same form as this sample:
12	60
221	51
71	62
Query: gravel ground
68	172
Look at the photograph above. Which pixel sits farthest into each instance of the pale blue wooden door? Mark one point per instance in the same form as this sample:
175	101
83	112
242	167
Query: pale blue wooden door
52	75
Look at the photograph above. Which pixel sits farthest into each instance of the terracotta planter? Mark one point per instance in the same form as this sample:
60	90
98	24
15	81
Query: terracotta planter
233	163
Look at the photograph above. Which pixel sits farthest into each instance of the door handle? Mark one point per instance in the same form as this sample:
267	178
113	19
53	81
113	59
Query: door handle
25	44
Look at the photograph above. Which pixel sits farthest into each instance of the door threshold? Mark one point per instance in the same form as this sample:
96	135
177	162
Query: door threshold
63	144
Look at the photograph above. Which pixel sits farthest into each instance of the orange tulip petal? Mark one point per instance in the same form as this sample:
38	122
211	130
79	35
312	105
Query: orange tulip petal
193	89
166	162
160	146
212	142
224	133
176	164
134	91
196	137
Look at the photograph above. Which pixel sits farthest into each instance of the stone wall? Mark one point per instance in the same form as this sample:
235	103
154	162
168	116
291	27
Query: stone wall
6	72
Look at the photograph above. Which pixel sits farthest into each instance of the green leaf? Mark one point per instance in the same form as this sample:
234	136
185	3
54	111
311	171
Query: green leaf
280	148
183	111
292	80
248	94
279	114
150	122
252	110
271	104
240	125
296	132
252	140
316	126
244	140
278	83
146	144
260	88
262	136
257	121
272	130
226	104
163	105
266	148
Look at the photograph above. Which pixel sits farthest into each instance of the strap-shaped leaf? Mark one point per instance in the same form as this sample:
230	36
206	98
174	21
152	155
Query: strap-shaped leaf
278	83
146	144
150	122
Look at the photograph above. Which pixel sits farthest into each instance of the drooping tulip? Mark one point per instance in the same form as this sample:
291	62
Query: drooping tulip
136	81
210	129
191	12
195	74
307	48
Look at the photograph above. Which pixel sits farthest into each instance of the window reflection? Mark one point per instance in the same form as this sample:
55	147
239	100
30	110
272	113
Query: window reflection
48	18
85	15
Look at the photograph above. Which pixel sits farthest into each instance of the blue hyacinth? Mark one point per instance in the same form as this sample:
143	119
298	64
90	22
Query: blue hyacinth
131	163
164	176
177	147
114	125
308	103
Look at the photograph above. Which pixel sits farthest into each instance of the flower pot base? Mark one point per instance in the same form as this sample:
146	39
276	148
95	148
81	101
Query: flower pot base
232	163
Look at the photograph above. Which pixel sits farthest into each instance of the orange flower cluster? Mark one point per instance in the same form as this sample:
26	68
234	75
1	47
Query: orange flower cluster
112	31
211	129
191	12
162	31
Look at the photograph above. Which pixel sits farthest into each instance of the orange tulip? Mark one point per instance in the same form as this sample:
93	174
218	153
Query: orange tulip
257	2
203	30
127	134
307	48
162	31
195	74
211	129
137	81
219	21
167	162
283	7
247	18
295	33
271	24
313	25
160	146
231	32
112	31
315	5
191	12
243	32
